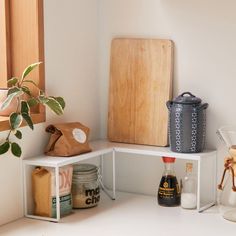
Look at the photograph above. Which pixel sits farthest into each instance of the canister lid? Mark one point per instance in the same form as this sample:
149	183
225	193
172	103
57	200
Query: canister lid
84	168
187	98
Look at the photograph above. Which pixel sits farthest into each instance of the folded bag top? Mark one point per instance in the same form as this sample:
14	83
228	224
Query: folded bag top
67	139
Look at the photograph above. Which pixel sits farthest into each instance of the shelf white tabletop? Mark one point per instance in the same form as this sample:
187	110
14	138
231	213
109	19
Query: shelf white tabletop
98	148
101	147
159	151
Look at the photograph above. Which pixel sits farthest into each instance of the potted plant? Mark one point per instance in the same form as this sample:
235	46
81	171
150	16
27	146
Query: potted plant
11	108
21	94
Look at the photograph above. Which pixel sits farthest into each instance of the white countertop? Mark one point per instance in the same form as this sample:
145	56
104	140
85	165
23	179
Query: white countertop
129	215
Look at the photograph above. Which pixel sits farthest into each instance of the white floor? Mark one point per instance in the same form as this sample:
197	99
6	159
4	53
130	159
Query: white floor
129	215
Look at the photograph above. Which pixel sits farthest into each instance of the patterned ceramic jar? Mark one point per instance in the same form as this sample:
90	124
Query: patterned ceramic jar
187	123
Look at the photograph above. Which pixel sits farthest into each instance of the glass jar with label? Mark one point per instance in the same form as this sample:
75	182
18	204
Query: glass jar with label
169	191
85	186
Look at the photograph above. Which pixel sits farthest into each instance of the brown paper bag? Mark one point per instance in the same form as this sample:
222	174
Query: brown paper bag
67	139
44	192
41	183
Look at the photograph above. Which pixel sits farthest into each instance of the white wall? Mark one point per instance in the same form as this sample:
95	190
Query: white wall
71	54
204	34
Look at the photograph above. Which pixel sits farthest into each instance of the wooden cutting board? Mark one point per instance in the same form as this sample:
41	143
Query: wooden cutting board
140	86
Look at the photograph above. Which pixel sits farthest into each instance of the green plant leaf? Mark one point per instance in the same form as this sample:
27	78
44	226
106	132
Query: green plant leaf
54	105
29	68
42	99
16	149
15	120
4	147
18	134
26	90
32	102
9	98
12	82
61	101
24	107
28	120
13	90
31	82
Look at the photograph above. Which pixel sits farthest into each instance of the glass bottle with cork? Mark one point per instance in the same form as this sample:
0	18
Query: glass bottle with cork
169	191
189	190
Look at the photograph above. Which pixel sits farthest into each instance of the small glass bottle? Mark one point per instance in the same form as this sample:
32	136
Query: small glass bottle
169	191
189	190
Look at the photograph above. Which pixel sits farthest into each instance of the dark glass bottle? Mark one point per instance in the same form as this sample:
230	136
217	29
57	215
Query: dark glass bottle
169	191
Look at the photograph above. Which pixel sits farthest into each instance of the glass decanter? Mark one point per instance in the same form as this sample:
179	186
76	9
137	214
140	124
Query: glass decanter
169	191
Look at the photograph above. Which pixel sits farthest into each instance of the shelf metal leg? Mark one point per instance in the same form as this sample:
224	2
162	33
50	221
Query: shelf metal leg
25	190
206	182
111	196
102	166
114	174
57	193
199	185
215	176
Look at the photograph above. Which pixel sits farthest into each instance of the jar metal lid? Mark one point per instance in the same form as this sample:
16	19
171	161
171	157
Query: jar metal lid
83	169
84	173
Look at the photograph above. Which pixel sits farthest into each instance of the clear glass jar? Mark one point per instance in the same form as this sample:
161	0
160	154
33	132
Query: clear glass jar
169	191
189	190
85	186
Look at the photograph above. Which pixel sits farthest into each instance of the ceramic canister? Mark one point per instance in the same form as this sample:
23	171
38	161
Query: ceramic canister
187	123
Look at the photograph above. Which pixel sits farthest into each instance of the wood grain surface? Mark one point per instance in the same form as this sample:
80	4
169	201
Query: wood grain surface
140	86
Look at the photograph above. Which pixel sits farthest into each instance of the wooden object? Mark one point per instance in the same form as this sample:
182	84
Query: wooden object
4	43
140	86
23	25
27	44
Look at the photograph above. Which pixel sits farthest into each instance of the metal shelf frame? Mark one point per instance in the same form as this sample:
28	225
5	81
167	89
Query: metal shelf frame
206	176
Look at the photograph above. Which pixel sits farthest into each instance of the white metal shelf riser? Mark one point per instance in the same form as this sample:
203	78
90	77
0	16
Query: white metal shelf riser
206	167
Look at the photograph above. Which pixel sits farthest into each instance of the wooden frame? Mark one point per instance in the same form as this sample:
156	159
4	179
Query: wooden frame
5	43
24	40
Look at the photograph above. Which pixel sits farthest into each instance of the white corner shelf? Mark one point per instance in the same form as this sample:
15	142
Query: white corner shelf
206	166
98	148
